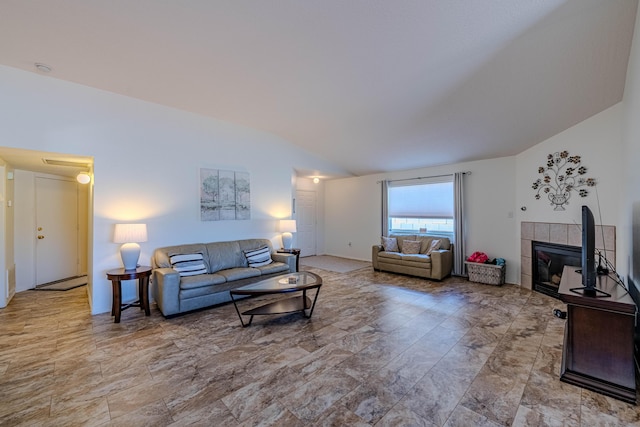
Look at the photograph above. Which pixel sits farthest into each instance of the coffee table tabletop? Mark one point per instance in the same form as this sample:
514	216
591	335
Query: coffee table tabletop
286	283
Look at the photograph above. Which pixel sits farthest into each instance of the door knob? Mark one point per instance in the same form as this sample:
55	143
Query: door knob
40	236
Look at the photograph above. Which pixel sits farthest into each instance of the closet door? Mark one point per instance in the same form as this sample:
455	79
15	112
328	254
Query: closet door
306	222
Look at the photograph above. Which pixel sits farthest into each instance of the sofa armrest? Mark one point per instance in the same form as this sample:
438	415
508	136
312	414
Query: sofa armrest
289	259
374	255
166	290
441	264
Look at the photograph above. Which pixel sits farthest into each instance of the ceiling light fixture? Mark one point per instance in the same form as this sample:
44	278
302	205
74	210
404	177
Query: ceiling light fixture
83	178
316	180
43	67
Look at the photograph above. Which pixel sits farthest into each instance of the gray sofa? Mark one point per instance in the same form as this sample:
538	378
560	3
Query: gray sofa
226	268
436	265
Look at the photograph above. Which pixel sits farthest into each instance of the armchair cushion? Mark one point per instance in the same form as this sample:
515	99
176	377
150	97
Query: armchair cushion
390	244
435	245
411	247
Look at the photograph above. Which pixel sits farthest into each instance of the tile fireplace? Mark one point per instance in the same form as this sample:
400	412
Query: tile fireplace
563	235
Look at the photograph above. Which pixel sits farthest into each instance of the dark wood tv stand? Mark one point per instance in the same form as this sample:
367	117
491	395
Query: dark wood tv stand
598	351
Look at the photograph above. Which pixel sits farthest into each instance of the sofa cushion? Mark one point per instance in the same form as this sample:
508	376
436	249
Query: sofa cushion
160	257
435	245
239	273
390	244
411	247
274	267
390	255
401	239
201	280
417	261
428	240
188	264
420	259
258	257
224	287
225	255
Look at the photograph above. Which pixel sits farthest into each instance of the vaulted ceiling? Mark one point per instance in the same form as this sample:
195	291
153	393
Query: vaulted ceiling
373	86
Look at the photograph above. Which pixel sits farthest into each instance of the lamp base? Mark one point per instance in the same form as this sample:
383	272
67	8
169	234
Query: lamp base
130	252
287	240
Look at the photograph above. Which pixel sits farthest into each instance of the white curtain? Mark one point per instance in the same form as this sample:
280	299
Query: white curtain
385	208
459	267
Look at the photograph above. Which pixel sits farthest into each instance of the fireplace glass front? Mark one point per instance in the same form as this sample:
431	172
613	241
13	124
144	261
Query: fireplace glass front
548	261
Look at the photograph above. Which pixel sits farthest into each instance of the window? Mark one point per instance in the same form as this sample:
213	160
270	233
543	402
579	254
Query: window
424	207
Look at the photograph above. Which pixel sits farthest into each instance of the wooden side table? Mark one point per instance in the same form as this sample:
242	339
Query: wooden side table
295	252
116	276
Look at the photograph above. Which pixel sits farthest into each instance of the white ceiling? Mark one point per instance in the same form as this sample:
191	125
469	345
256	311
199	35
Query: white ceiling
373	86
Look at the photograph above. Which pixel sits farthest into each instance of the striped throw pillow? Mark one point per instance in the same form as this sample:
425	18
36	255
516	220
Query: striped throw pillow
188	264
258	257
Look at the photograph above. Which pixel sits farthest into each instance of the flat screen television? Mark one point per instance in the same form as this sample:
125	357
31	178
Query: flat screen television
588	251
589	270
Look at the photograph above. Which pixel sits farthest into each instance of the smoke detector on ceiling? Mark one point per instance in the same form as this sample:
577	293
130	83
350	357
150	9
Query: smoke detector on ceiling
43	67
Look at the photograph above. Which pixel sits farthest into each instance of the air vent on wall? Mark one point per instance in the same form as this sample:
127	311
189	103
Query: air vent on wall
68	163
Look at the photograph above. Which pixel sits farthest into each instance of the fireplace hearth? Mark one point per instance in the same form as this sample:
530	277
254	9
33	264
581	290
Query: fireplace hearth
548	261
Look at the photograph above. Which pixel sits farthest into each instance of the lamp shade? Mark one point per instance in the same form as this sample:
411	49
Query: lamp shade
288	225
130	235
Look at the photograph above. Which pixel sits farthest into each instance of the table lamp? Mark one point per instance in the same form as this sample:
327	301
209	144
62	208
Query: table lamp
130	235
287	226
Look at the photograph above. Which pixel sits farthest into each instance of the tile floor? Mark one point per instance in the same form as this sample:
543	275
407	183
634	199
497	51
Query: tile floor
381	349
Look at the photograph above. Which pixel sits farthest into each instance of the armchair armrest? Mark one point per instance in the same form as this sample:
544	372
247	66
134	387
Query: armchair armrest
375	249
441	264
289	259
166	289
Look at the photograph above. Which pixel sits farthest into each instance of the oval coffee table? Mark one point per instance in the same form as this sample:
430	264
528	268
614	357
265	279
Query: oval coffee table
287	283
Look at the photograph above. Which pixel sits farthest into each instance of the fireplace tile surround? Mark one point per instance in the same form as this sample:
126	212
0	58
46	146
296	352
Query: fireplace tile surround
561	234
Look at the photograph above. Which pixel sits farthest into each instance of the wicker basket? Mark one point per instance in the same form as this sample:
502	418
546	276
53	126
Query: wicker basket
488	274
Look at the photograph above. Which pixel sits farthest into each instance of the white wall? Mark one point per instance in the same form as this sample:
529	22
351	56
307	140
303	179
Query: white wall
353	210
147	159
629	237
598	141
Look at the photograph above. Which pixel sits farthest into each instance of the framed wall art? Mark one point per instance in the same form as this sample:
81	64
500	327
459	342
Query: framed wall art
224	195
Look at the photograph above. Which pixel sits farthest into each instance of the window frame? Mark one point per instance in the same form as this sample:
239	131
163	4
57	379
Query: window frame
421	182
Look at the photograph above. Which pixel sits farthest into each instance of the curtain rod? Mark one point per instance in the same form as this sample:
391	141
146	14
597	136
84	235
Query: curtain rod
423	177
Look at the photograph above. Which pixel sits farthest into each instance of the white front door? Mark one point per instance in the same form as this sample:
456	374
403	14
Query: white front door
56	229
306	222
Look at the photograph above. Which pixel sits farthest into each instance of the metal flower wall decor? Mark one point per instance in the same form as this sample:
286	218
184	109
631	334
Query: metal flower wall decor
562	175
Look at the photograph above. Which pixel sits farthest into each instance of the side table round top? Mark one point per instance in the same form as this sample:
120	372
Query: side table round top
293	251
122	274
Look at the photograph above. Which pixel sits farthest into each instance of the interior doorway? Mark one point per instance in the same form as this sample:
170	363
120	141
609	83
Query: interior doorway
306	222
31	213
20	222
